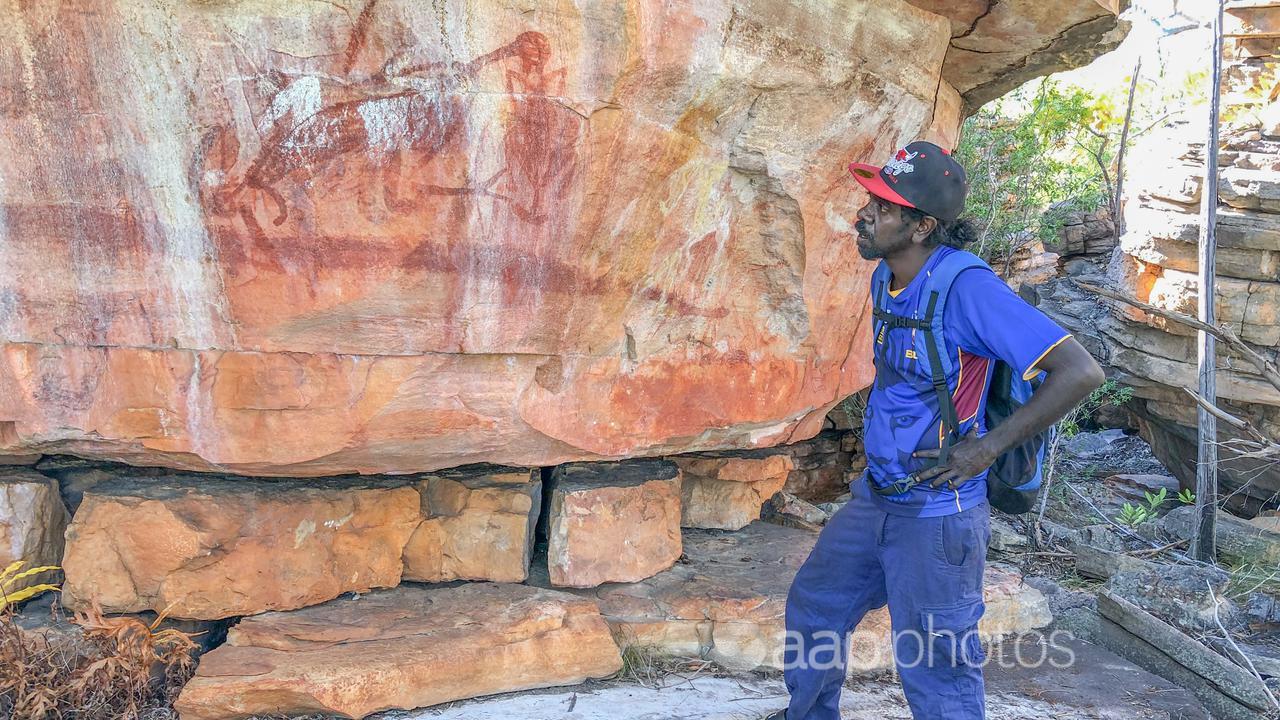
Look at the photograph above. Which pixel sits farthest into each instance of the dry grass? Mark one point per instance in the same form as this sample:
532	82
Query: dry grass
121	669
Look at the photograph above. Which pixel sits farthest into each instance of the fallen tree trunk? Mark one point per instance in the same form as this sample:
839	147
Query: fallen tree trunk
1227	690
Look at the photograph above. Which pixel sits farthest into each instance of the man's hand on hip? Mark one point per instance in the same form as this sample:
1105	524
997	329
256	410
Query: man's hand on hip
965	459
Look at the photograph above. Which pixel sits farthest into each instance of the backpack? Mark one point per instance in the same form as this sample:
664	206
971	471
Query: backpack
1013	482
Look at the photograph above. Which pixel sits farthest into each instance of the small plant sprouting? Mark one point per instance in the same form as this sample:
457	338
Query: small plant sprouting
1132	515
1155	500
1186	496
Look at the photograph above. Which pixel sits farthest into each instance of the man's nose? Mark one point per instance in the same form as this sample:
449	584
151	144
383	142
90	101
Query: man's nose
862	212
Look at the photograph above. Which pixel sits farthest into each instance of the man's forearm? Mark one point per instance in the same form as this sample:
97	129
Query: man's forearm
1061	391
1071	375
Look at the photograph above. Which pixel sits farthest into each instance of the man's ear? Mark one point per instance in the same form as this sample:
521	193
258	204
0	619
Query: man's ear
924	228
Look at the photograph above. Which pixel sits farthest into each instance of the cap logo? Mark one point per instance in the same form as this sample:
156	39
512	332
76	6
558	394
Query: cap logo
901	163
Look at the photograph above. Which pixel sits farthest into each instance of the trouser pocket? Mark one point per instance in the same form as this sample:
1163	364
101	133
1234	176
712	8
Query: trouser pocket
950	634
961	538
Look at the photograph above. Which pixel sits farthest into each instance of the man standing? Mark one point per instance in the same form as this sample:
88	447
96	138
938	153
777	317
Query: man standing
915	534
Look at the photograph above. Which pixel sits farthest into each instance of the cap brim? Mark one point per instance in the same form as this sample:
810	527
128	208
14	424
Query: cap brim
868	176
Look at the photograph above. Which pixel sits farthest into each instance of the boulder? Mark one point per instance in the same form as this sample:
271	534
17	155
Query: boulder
404	648
1268	522
726	602
220	548
726	490
1178	594
790	511
238	546
612	522
1236	539
825	483
1005	537
32	522
1134	487
340	252
1224	687
1091	445
1030	264
478	525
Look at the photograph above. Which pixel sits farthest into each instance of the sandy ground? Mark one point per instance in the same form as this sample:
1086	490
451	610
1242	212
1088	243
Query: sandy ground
1097	686
733	699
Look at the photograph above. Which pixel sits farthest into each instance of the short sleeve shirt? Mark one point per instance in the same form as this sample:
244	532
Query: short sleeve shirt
984	321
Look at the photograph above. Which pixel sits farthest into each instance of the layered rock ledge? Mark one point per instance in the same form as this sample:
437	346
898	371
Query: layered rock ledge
405	648
1156	263
208	547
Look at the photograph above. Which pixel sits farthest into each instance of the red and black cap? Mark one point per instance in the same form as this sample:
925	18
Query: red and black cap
921	176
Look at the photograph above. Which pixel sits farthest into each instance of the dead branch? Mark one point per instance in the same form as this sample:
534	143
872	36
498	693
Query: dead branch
1154	551
1248	664
1266	368
1259	438
1117	216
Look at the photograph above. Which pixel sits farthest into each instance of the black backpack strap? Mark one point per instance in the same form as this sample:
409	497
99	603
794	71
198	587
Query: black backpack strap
946	406
888	321
878	313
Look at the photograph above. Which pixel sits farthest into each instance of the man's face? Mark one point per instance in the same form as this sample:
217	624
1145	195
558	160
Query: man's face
882	230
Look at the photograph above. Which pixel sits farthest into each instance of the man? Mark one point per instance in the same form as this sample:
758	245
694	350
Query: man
922	551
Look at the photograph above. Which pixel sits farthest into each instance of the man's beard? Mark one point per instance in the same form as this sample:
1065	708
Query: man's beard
870	249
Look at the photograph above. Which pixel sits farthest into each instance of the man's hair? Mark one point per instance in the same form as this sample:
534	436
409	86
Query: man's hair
956	234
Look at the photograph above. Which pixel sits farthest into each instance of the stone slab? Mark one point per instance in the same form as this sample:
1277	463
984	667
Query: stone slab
218	548
726	602
32	522
404	648
612	522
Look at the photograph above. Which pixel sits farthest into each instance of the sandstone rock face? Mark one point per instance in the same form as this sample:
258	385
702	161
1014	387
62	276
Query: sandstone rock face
727	602
393	237
225	547
32	521
826	463
997	45
405	648
612	522
1030	264
726	490
1084	233
478	525
1156	263
210	547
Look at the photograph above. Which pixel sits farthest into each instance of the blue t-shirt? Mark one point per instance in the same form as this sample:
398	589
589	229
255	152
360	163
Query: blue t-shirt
983	321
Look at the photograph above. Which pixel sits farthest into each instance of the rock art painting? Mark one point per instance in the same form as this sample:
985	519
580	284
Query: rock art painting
284	238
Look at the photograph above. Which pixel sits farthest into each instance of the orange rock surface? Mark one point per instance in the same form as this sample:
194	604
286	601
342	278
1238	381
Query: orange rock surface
314	238
612	522
726	602
210	547
727	490
234	547
404	648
